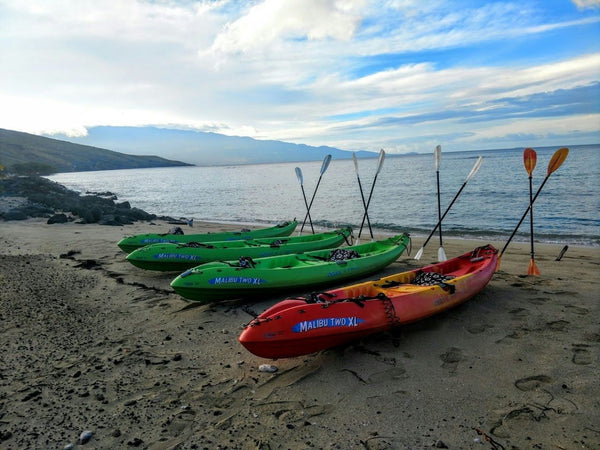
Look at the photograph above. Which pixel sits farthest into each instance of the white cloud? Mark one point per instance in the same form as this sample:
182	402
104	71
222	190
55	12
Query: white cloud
291	19
583	4
303	70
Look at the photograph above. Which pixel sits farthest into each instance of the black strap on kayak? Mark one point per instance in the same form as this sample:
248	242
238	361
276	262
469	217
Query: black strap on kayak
409	246
195	245
391	284
315	297
390	311
245	262
278	243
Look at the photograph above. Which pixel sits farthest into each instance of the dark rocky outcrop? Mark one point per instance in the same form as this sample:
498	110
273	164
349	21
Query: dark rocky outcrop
44	198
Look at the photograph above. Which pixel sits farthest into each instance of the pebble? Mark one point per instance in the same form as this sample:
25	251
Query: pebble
267	368
85	436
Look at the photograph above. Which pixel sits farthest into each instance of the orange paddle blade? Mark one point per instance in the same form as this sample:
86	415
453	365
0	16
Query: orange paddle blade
498	263
529	158
557	159
533	269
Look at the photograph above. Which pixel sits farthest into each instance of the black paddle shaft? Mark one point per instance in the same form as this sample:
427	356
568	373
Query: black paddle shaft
446	212
366	215
362	196
310	205
524	215
307	210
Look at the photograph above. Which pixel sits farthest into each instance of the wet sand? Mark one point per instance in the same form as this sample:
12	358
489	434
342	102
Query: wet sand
91	343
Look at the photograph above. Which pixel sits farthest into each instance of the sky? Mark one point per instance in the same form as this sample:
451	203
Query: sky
403	75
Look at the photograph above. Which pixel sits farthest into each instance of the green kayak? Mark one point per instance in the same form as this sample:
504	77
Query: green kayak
131	243
179	257
250	278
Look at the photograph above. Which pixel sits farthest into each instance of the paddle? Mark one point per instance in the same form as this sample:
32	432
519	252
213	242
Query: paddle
529	159
555	162
379	166
324	167
437	156
362	195
301	181
471	174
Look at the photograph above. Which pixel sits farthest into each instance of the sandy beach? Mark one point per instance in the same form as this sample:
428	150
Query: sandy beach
91	343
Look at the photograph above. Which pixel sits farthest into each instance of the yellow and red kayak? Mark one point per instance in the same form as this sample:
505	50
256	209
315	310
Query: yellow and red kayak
300	326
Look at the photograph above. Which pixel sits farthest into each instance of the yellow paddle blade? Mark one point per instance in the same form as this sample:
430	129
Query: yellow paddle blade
533	269
529	158
557	159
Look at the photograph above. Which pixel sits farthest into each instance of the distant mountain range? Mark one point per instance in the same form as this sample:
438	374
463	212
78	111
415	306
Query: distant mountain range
202	148
136	147
29	153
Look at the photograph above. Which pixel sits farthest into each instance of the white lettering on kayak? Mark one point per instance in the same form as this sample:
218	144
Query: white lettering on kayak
237	280
326	322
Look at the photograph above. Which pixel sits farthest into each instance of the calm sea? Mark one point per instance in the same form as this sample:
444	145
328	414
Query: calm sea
404	197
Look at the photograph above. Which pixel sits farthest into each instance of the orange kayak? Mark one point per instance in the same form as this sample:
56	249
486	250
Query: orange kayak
299	326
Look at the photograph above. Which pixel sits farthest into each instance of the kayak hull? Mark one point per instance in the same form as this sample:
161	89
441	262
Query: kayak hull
226	280
297	327
132	243
180	257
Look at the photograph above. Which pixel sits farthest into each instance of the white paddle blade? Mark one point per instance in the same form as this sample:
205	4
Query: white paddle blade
325	165
355	162
380	160
299	175
437	156
475	168
441	254
419	253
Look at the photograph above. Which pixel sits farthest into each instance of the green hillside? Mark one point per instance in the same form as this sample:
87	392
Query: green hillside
27	153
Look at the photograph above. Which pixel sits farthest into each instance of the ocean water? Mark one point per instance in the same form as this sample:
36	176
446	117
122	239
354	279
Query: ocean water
404	195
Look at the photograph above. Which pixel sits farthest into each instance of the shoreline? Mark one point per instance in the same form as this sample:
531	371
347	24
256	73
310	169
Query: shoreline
93	343
28	197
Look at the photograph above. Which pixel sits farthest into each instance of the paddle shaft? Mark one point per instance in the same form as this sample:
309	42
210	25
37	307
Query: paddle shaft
524	215
310	205
362	196
531	215
365	215
307	209
446	212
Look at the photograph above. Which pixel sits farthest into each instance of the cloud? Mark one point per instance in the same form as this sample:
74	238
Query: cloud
583	4
353	74
271	20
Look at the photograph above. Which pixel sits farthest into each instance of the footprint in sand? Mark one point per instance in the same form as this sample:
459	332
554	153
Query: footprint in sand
393	374
519	313
531	383
581	355
451	359
577	310
538	300
476	328
558	325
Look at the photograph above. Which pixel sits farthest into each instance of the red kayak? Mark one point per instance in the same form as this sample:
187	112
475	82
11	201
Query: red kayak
299	326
